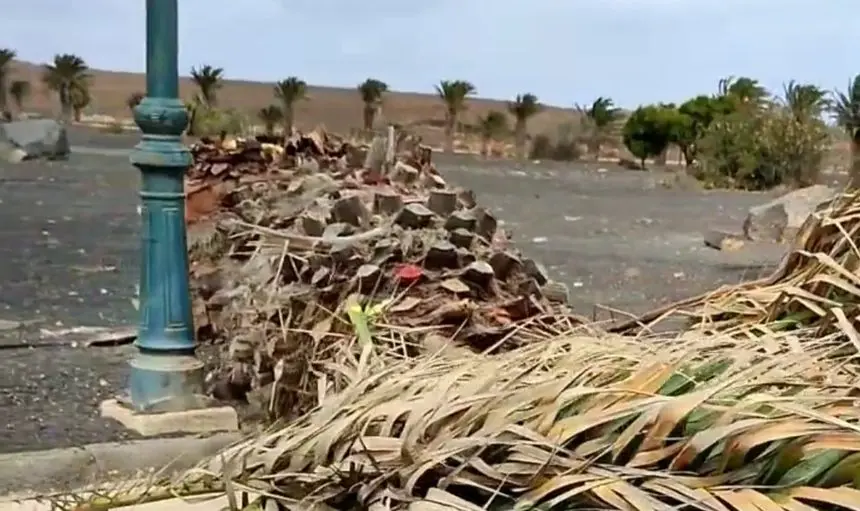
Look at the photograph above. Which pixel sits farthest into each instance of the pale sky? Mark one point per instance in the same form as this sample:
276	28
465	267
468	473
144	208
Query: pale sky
566	52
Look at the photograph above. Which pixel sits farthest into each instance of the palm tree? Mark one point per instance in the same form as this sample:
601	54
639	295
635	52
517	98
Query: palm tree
68	72
6	57
371	91
208	79
523	108
846	112
493	125
599	119
270	116
80	97
805	101
289	92
453	93
745	91
19	90
134	99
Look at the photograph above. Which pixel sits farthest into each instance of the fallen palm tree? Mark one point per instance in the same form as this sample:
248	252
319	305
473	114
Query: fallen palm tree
574	422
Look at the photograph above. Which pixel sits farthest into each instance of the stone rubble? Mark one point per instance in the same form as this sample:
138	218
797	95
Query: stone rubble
283	235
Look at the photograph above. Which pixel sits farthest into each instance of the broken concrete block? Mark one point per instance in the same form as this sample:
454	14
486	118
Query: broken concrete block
441	254
387	202
351	210
434	180
503	263
461	238
442	202
375	159
479	272
461	219
414	216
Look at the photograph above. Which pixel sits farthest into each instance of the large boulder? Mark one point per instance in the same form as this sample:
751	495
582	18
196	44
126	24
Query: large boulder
780	219
36	138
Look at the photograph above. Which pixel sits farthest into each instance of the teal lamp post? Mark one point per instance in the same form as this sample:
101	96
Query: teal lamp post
165	373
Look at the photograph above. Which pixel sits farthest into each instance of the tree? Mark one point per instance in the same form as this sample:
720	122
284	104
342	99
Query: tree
67	73
371	91
846	113
6	57
805	101
134	99
747	93
80	98
20	91
696	116
289	92
523	108
209	80
453	94
599	119
270	116
648	131
492	126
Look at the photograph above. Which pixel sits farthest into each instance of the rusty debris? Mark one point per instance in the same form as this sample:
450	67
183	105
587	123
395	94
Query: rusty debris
284	234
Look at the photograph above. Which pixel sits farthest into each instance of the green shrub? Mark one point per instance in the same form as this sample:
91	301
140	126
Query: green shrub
649	130
758	152
210	122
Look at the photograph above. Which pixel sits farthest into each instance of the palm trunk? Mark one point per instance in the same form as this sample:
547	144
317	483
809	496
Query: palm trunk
368	115
289	118
66	103
520	139
450	124
854	181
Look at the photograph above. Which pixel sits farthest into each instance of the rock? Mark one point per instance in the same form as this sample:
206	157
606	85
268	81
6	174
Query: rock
466	198
442	202
414	216
38	138
441	254
350	210
387	202
336	230
723	240
368	276
434	181
780	219
465	220
461	238
479	272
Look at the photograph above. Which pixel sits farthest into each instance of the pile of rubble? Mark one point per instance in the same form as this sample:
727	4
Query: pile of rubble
297	230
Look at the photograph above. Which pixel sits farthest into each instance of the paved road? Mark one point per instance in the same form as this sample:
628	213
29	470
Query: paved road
69	242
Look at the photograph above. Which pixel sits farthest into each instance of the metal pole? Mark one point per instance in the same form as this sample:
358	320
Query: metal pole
165	374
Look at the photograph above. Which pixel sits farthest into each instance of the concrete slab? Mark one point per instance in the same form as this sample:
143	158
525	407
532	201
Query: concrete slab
204	420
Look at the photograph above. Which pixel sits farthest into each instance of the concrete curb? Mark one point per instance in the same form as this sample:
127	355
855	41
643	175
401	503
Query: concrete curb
64	469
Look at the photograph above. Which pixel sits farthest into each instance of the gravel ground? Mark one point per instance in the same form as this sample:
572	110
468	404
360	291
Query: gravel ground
70	230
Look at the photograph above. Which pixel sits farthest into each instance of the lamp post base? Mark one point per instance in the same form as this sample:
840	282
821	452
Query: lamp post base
166	382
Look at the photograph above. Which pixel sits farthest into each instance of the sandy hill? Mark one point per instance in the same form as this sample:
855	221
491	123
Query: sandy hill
339	109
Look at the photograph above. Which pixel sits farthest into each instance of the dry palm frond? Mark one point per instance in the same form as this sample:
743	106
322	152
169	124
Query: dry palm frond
601	422
817	283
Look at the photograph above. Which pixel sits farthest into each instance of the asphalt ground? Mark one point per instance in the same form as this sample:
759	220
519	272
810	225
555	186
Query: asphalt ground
69	241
